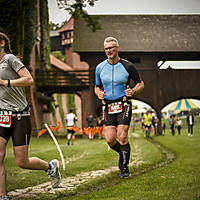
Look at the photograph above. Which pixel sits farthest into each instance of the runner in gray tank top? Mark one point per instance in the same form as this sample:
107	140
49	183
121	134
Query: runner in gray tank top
15	117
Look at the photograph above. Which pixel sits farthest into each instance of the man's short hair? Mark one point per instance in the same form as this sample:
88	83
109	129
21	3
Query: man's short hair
111	39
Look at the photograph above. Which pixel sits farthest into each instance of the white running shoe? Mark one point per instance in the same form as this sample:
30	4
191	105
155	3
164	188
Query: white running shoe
54	173
4	197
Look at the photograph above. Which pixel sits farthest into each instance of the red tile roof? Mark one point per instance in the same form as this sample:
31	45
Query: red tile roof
68	26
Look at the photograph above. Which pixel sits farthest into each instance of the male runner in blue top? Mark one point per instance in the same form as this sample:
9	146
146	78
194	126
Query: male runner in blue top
112	86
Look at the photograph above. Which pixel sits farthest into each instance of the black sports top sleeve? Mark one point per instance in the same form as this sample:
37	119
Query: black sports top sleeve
133	73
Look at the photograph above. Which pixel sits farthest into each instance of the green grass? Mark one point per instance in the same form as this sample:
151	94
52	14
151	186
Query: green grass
177	179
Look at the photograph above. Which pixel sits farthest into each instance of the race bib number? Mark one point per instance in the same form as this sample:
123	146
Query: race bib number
114	108
5	119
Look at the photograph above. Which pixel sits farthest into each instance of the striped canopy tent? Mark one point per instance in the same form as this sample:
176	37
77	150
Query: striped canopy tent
182	105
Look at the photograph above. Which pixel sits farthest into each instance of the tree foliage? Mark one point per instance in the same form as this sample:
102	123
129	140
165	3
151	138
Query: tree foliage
18	19
76	8
54	26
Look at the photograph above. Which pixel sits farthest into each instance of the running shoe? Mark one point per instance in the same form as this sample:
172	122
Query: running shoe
124	173
54	173
4	198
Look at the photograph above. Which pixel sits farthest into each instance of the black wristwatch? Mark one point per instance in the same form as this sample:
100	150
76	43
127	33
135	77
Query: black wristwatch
133	91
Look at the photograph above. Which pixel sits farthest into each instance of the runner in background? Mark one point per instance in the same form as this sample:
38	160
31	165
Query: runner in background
70	120
147	122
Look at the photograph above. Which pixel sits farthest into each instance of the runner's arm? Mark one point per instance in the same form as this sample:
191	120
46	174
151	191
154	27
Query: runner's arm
24	80
99	93
138	87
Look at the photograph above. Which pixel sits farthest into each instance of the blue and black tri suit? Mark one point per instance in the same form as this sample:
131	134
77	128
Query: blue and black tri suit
114	78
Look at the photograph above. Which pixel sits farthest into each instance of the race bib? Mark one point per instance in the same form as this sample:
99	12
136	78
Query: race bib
114	108
5	118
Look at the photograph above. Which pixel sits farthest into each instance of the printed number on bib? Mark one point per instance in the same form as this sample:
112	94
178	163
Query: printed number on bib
5	119
114	108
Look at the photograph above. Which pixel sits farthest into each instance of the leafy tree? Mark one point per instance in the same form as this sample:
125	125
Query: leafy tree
53	26
76	9
18	19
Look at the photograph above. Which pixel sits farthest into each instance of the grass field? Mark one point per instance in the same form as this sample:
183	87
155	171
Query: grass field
163	167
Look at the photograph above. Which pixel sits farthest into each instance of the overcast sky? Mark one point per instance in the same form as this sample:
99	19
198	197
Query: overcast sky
57	15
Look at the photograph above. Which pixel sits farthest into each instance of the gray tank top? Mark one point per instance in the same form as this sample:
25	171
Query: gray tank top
11	98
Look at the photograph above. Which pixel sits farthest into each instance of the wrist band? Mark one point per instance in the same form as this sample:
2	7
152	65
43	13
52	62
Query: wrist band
8	82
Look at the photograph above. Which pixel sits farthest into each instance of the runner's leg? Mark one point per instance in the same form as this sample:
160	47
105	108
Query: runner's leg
21	132
110	135
73	137
69	138
23	161
122	132
111	139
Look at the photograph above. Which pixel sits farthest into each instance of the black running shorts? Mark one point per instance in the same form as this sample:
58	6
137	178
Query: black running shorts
71	132
148	126
123	117
20	131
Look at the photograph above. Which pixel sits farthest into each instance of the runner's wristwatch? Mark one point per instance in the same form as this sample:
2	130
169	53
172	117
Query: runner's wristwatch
133	91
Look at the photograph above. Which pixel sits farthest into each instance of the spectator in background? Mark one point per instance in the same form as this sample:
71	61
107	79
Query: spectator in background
172	123
91	122
163	127
133	125
190	123
179	125
100	125
142	124
154	123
